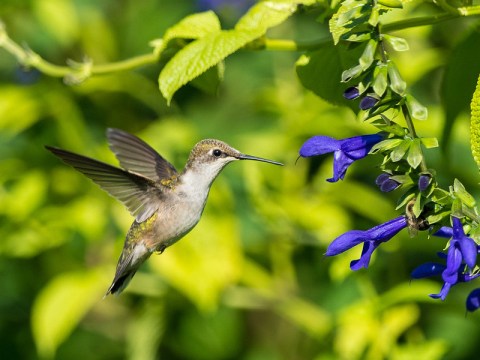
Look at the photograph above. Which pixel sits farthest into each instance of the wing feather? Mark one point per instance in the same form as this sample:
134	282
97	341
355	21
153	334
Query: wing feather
137	193
138	157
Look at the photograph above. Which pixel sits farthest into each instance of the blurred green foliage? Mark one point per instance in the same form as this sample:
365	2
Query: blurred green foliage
250	281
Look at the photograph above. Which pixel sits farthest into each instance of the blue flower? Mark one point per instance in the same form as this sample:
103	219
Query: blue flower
432	269
371	239
345	151
462	253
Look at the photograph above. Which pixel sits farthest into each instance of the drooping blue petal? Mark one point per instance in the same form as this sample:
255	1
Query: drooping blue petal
319	145
358	147
473	300
341	162
443	293
427	270
367	251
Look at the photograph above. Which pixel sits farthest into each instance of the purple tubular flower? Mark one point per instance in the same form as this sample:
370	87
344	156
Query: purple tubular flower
462	252
351	93
371	239
367	102
473	300
345	151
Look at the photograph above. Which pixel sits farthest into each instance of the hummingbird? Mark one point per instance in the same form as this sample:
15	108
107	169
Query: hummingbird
166	204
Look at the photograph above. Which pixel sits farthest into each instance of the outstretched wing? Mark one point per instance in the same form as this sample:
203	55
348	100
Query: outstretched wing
138	157
139	194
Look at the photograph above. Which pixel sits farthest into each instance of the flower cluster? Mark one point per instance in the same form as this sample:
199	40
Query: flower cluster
377	84
462	252
460	260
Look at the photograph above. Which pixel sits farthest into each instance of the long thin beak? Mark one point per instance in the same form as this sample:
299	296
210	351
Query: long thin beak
250	157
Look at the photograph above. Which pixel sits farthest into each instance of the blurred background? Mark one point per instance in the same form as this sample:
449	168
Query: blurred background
250	281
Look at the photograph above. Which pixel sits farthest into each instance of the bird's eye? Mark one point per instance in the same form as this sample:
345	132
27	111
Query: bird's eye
217	152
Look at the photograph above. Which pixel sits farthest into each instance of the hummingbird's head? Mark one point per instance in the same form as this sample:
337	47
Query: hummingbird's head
211	156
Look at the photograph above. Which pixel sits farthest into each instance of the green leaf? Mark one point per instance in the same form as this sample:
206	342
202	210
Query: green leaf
418	206
399	152
206	52
386	145
320	72
392	128
398	43
397	4
397	84
191	27
457	208
380	81
61	305
415	154
348	11
368	54
441	197
416	110
351	73
463	194
430	142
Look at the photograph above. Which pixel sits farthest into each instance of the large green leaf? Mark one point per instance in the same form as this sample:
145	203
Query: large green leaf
206	52
61	305
321	71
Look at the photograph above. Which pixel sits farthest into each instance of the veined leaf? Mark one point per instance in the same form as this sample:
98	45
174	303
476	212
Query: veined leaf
191	27
206	52
415	154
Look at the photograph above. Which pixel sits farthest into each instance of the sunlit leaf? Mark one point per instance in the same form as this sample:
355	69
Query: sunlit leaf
61	305
202	54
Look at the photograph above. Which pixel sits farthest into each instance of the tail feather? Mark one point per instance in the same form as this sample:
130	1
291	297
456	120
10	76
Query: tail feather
120	282
133	255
